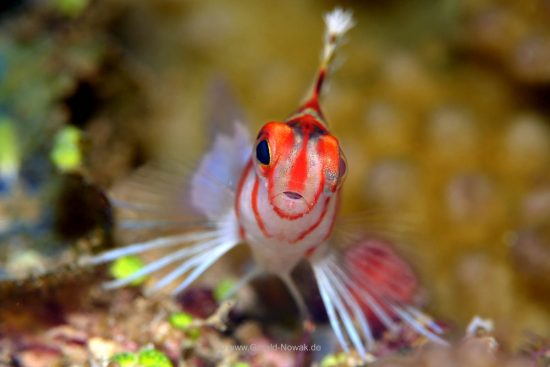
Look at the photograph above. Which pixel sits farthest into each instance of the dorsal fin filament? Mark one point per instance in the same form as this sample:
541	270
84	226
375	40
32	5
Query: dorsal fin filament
337	23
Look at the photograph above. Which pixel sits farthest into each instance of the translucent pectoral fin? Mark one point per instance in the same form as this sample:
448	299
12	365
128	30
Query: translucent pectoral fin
219	172
170	193
170	197
229	148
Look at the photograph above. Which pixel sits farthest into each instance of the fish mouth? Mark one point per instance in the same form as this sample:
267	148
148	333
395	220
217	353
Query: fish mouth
293	195
290	204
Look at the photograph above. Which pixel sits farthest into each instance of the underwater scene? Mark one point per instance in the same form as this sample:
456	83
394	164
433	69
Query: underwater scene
274	183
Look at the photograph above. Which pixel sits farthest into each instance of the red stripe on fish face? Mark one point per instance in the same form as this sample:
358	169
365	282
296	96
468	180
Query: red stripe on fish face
309	128
302	174
284	215
257	215
299	169
288	175
314	225
261	223
246	172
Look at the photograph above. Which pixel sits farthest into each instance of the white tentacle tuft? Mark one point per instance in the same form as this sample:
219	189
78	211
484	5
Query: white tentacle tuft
338	22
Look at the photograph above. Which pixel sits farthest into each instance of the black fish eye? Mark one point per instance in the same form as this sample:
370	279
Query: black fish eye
262	152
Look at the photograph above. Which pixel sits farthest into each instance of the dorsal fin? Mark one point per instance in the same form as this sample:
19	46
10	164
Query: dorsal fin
337	23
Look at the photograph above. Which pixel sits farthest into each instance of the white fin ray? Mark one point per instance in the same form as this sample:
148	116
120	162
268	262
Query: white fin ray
202	257
410	318
347	295
163	262
154	244
174	274
417	325
368	298
203	265
148	224
341	311
327	301
199	250
342	294
419	315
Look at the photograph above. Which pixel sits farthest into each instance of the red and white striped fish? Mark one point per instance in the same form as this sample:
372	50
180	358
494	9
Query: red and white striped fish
280	196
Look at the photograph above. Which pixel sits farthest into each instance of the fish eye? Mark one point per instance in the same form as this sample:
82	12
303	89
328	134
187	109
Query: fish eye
262	152
342	167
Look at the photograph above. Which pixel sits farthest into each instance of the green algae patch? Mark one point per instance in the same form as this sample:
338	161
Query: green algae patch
334	360
145	358
126	266
181	320
223	288
66	153
153	358
125	359
71	8
9	149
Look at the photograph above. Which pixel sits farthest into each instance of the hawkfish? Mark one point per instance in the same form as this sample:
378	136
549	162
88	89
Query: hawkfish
279	195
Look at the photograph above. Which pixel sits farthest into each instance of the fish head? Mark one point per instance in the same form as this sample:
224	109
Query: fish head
300	162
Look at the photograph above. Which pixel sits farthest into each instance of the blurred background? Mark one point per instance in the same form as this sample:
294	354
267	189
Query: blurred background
442	109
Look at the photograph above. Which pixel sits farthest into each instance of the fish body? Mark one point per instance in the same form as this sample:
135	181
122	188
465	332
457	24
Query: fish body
287	198
279	194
